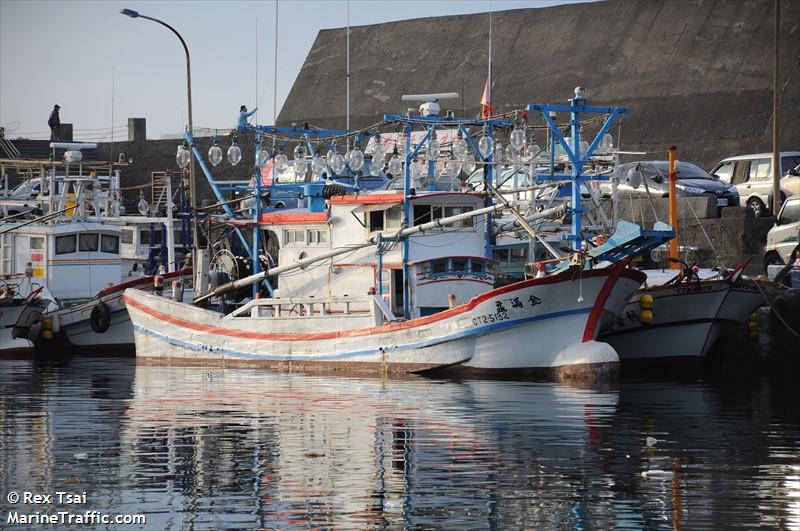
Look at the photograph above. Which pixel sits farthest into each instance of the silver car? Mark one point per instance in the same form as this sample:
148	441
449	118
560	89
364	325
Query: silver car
638	178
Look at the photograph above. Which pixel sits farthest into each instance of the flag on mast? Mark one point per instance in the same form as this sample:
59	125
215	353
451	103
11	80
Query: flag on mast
487	109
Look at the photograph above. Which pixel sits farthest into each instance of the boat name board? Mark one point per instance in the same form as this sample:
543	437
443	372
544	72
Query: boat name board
501	313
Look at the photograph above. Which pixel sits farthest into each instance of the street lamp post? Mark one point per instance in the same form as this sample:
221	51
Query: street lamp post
192	199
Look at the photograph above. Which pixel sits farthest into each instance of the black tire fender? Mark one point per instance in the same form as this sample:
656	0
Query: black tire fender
100	319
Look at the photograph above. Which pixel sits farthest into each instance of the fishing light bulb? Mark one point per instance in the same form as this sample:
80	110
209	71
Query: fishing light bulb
281	162
452	167
318	166
485	146
337	163
512	154
531	152
182	156
329	157
432	153
234	155
468	166
395	166
355	159
143	206
299	152
606	144
378	157
400	144
215	154
517	139
300	168
262	157
459	147
498	153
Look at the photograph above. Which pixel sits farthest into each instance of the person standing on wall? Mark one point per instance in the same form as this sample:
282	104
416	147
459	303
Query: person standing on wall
55	124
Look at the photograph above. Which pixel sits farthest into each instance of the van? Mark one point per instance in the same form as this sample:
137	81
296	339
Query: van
752	176
785	235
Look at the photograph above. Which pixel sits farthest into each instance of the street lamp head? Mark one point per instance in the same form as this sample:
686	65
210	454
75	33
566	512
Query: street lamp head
129	12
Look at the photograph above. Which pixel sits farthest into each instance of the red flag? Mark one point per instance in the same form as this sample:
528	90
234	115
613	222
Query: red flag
487	109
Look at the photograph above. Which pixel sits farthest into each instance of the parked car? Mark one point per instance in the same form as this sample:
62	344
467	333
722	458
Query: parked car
693	181
752	175
785	235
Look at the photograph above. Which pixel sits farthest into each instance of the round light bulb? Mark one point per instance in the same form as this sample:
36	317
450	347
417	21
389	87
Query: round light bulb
459	147
531	152
299	152
300	168
499	153
262	157
378	158
337	163
234	155
486	145
468	166
143	206
512	155
318	166
215	154
281	162
395	166
400	143
182	157
355	159
517	139
329	157
606	144
432	153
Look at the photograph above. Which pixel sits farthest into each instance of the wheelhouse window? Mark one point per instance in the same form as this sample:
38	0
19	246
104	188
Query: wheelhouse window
375	221
109	243
66	244
37	244
459	265
427	213
456	210
387	218
439	267
294	236
127	236
317	237
88	242
477	266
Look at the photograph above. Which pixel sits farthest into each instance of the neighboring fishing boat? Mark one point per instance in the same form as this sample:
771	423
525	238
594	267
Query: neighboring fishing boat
22	304
73	252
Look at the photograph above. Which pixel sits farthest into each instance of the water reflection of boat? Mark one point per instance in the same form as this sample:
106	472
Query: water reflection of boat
298	432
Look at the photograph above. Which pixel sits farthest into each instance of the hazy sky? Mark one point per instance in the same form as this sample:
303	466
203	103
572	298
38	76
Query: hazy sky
68	52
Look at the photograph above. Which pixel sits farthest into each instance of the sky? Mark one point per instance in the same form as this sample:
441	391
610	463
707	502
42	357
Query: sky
102	67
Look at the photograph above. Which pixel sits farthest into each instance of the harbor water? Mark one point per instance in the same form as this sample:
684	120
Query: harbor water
198	448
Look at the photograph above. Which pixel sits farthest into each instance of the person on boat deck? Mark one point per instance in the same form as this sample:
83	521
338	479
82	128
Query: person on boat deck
243	116
55	124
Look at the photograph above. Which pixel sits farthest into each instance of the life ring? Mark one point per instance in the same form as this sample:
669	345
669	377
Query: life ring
100	319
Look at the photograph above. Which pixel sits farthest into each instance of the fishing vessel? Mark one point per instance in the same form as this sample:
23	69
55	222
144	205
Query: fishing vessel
64	234
399	281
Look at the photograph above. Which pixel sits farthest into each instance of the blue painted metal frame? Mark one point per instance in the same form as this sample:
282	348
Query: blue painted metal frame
576	108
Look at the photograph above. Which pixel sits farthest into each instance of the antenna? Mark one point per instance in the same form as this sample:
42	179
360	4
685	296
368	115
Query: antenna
347	126
275	73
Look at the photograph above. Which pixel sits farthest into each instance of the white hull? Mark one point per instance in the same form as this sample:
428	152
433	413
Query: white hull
682	325
494	331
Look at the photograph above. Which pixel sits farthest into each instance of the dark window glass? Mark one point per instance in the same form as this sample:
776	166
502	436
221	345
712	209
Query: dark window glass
109	243
127	235
144	237
88	242
422	214
477	267
791	212
65	244
376	220
787	163
459	265
438	267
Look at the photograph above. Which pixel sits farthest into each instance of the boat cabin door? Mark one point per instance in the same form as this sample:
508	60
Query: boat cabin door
396	285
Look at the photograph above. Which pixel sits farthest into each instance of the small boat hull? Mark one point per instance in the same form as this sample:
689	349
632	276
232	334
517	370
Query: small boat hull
682	329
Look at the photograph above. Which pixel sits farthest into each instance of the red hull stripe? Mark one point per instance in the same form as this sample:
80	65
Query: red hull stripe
618	269
392	327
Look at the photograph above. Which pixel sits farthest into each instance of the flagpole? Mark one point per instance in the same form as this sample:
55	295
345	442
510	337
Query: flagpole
489	76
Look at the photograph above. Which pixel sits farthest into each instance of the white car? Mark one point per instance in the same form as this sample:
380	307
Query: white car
752	176
785	235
